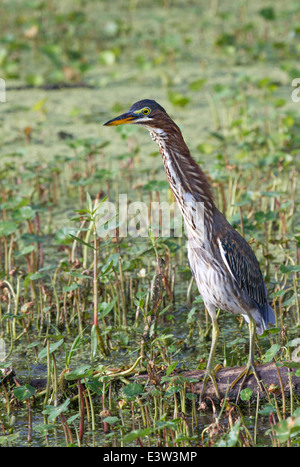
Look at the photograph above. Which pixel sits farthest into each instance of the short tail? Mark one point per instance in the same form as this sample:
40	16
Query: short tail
267	316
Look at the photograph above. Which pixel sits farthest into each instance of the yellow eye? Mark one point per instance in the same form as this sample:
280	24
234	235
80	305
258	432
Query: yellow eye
146	111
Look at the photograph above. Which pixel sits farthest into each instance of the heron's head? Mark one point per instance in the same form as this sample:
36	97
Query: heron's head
146	112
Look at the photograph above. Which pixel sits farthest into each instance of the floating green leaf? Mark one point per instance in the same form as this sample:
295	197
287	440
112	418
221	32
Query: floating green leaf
105	308
111	420
7	228
54	412
134	434
270	354
80	372
24	392
171	367
267	13
289	268
132	390
52	348
246	394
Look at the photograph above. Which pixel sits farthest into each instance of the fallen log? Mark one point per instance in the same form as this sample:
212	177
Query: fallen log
274	379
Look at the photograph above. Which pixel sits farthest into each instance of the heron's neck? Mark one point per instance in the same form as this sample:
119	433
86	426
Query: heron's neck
187	181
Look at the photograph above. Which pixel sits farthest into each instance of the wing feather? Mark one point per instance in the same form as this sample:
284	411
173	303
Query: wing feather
243	266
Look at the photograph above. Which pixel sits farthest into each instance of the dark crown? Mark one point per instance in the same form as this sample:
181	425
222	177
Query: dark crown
146	103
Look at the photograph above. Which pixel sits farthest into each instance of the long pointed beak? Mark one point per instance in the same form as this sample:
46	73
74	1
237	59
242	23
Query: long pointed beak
124	118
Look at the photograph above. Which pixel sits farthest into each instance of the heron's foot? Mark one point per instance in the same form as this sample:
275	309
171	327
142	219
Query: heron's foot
210	374
244	375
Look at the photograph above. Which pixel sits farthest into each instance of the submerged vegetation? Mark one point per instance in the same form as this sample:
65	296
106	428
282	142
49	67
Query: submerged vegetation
82	314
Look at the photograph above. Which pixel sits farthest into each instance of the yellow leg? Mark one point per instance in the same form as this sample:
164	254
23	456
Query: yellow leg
250	367
210	372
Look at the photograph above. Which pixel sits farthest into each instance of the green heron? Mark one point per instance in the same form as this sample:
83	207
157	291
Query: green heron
224	266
